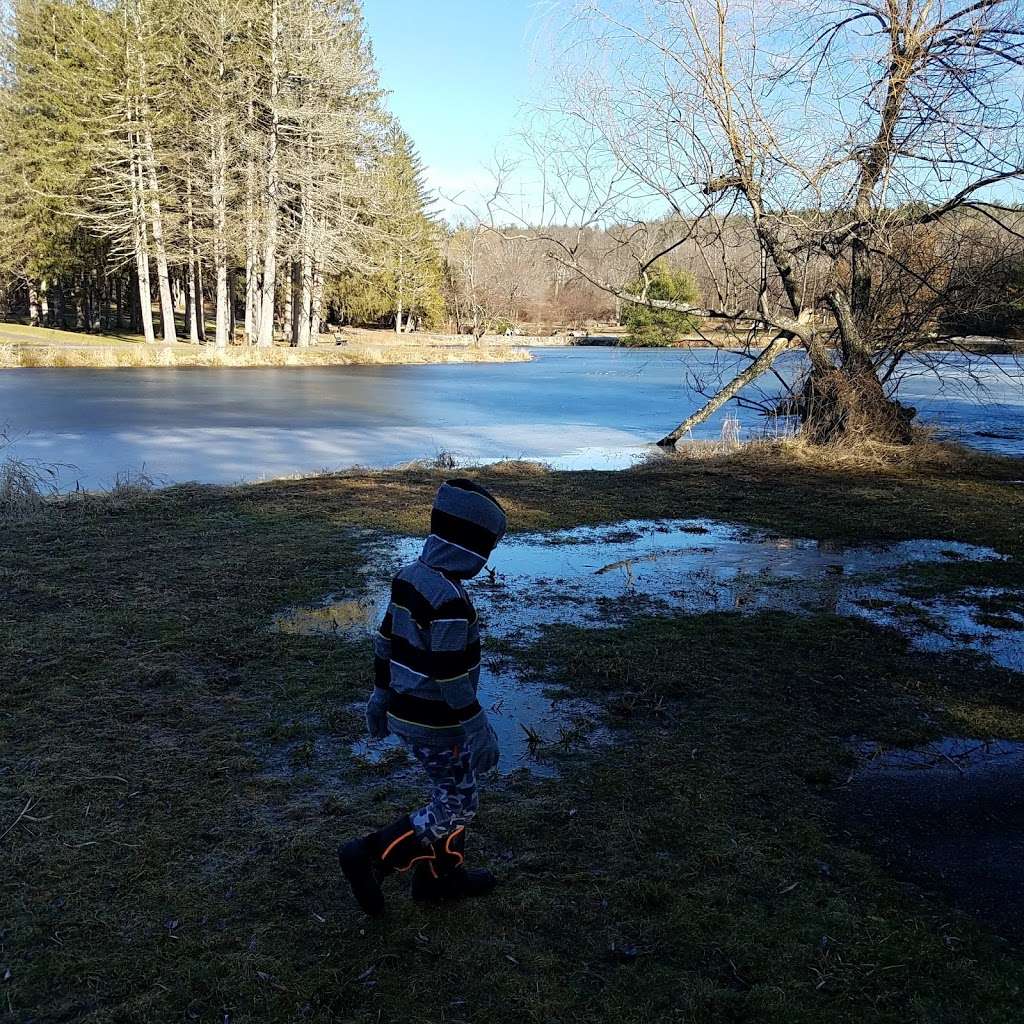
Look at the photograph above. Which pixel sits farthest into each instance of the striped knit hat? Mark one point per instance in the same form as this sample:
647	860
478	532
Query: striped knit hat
466	524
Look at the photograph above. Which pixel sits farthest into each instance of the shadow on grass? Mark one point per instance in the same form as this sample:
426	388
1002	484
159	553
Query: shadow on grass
169	799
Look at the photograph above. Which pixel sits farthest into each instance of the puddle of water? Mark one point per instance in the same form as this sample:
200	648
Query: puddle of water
530	720
952	755
964	621
337	616
604	575
948	815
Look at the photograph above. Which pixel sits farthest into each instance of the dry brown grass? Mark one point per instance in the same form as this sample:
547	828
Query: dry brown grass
119	356
25	484
925	457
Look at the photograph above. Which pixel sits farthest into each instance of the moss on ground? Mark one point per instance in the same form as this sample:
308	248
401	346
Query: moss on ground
175	775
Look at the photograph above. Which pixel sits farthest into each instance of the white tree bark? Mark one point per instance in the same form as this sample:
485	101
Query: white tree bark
289	322
252	288
251	295
316	313
265	336
746	376
218	162
191	317
140	241
219	191
159	249
197	279
305	311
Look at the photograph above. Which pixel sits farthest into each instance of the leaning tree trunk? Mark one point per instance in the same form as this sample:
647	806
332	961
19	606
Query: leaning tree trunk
760	365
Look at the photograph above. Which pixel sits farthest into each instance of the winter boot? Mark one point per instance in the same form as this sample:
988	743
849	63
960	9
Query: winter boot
445	876
366	862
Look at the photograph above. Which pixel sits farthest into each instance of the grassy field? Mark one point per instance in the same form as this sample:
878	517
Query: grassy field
175	776
24	346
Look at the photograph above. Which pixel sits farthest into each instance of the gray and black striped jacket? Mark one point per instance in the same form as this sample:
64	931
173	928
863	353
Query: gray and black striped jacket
427	648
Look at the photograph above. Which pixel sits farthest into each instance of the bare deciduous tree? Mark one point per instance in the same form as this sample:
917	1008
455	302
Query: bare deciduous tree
827	155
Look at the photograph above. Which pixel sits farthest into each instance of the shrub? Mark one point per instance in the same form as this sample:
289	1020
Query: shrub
661	326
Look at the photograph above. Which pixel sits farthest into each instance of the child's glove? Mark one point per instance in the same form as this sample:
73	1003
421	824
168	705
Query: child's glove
377	714
482	743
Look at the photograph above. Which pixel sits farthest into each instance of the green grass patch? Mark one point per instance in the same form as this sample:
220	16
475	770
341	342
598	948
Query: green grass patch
176	775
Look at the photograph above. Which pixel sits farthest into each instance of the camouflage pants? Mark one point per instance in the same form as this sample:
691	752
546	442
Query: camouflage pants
454	799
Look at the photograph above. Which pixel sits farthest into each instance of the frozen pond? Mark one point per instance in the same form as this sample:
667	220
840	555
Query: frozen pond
605	575
574	407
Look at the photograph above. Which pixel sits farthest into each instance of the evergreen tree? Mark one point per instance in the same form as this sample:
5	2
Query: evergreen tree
649	326
163	148
47	104
405	247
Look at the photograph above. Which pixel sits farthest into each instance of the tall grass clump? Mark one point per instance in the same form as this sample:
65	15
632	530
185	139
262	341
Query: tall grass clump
25	484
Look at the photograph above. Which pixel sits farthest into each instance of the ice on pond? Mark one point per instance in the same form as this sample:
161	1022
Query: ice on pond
597	576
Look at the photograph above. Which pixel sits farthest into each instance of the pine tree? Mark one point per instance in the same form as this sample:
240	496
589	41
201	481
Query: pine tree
48	100
412	264
162	147
406	281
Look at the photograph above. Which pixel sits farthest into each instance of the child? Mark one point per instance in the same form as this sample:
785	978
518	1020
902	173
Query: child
427	666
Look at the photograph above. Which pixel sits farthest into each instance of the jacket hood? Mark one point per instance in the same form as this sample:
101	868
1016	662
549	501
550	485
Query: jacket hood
466	524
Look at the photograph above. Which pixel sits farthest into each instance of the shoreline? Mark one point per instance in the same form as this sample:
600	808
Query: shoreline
932	454
26	347
23	347
112	357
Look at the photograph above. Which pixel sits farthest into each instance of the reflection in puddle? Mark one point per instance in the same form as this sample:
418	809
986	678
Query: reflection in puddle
948	814
604	575
530	719
337	616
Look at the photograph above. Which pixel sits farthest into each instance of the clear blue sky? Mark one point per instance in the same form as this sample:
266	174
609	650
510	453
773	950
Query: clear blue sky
458	72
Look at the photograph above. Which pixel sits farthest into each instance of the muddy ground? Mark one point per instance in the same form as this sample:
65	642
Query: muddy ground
720	834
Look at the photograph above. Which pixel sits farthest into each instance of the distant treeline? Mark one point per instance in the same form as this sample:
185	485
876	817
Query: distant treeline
218	170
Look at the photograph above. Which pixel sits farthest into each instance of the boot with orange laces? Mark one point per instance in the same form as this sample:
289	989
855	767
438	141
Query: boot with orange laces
366	862
446	877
